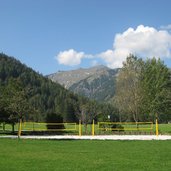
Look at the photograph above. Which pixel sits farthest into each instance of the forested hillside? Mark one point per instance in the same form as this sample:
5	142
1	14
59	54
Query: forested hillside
42	96
28	95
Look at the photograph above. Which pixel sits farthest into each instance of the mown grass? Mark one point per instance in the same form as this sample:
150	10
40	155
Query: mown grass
165	128
55	155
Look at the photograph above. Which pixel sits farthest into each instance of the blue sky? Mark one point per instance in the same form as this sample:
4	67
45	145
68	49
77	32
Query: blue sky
52	35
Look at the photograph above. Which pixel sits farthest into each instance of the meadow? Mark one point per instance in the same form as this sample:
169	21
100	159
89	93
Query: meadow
63	155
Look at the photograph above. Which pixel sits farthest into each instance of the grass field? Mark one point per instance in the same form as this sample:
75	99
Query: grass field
52	155
165	128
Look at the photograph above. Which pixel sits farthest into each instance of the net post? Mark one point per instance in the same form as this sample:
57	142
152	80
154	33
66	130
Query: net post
79	127
93	128
157	127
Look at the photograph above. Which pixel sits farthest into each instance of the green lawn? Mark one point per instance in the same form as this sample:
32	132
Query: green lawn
51	155
165	128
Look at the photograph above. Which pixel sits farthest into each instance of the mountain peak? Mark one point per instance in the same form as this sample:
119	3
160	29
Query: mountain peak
92	82
100	66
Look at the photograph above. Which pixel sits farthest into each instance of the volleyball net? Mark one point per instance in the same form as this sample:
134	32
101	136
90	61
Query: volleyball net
99	128
126	126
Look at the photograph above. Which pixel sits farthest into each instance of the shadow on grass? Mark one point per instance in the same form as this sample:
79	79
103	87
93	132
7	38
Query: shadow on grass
8	133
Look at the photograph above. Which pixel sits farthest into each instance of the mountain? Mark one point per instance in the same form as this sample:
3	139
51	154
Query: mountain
19	83
95	83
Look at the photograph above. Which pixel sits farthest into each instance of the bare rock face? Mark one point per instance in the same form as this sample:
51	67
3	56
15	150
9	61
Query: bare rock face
96	83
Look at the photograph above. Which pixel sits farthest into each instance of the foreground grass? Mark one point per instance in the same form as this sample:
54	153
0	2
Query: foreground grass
51	155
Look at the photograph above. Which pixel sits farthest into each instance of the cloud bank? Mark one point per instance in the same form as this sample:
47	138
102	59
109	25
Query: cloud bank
71	57
143	41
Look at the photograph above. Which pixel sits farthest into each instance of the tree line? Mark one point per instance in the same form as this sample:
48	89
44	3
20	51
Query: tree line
143	90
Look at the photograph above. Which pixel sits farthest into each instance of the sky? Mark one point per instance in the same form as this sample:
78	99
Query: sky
53	35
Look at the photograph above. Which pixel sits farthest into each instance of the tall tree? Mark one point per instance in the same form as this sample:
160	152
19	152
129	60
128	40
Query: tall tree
15	104
156	86
128	91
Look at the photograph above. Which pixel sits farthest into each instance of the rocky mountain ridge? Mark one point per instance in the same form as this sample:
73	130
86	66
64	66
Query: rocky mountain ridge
96	83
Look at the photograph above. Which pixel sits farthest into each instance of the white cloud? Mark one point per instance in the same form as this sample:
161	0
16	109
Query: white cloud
70	57
143	42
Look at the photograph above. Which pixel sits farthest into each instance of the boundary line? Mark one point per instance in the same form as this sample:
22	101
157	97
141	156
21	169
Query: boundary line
99	137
